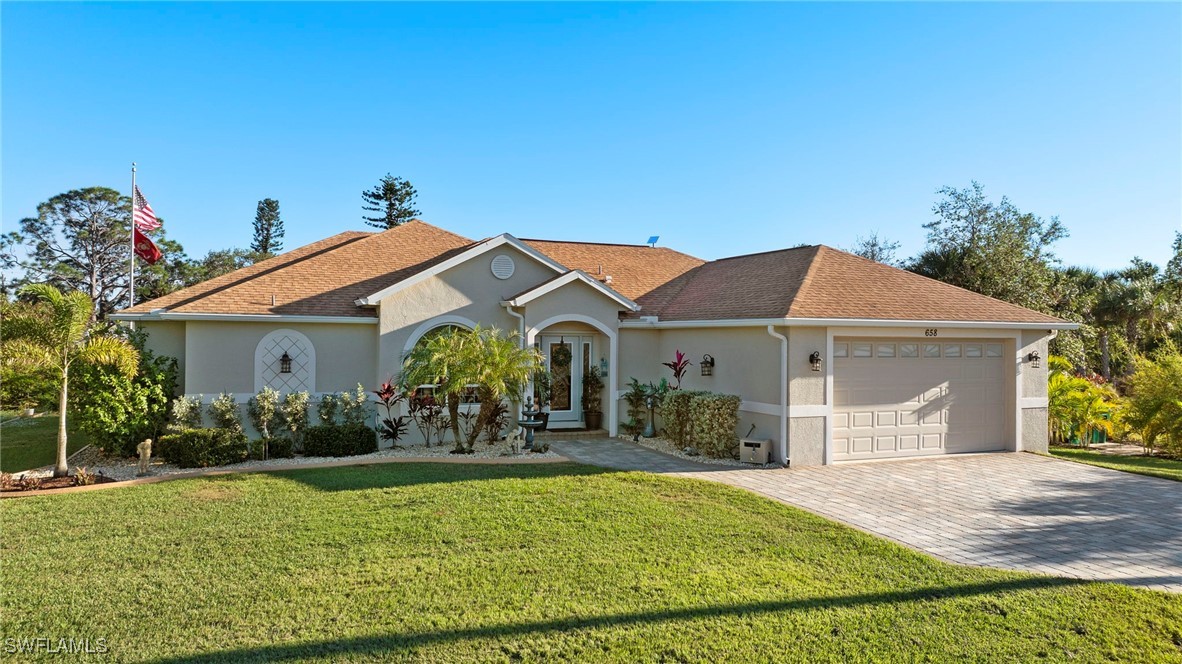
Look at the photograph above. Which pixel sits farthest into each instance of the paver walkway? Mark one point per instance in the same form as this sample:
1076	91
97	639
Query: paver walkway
1015	511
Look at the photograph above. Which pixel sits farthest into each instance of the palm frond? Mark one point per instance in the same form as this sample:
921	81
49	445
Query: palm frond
27	355
111	351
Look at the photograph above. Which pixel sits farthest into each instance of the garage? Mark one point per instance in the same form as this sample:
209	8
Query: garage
908	397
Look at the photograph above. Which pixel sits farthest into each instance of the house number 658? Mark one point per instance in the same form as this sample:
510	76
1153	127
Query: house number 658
930	332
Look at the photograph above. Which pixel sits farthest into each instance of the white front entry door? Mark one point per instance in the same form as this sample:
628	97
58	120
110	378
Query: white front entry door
912	397
566	358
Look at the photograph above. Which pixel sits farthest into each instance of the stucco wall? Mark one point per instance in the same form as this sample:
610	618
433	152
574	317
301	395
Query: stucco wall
468	290
746	361
220	355
806	441
167	338
1034	429
805	386
1034	381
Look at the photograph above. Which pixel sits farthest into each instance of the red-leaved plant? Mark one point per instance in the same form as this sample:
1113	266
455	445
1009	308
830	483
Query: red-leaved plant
392	428
679	367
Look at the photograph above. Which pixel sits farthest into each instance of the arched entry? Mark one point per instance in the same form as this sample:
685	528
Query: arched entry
574	344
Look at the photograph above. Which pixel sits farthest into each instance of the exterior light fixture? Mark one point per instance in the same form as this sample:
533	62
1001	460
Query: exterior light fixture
285	363
603	366
815	360
1034	359
707	365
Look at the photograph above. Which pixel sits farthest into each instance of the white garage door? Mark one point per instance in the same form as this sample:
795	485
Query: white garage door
897	398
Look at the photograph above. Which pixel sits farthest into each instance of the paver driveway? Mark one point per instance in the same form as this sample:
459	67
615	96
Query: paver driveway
1016	511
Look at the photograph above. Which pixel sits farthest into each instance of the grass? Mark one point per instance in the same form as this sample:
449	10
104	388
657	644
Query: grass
1170	469
560	562
32	442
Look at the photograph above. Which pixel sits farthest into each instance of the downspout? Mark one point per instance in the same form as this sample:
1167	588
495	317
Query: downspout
771	329
521	330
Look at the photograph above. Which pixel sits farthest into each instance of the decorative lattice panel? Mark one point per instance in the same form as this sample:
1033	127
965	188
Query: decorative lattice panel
303	362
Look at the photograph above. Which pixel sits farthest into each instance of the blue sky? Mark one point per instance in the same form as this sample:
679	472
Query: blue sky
723	128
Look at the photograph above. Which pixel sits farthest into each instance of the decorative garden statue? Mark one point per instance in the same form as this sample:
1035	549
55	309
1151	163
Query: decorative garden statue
144	449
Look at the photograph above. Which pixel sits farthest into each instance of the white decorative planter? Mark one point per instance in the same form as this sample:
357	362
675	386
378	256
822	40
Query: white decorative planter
29	412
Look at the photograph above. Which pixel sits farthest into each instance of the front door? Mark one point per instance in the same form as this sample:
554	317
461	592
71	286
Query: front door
566	356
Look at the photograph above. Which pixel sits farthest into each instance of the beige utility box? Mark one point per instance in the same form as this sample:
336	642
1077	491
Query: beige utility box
753	450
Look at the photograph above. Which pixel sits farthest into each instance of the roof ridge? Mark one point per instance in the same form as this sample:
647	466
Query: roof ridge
770	251
613	244
807	281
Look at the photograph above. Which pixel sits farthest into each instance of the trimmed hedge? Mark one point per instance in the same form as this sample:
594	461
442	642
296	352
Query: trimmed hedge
329	440
201	448
677	414
715	417
281	447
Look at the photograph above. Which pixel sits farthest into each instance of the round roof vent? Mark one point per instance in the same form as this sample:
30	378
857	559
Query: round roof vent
502	266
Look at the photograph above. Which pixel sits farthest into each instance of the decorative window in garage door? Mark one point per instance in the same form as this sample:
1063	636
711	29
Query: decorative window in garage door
268	362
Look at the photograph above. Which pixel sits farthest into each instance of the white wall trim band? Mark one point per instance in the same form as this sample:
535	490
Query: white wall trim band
1032	402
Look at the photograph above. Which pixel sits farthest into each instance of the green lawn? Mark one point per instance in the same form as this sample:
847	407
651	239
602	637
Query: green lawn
32	442
560	562
1142	465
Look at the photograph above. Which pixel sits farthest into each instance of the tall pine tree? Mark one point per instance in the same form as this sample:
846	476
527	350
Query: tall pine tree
393	199
268	228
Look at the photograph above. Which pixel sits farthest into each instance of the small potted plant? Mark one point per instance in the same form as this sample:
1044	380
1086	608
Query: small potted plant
592	399
542	389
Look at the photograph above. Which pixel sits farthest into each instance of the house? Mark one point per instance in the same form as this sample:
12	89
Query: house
836	357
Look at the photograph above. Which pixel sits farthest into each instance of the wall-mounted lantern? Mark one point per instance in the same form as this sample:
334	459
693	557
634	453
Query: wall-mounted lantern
285	363
707	365
815	360
603	366
1034	359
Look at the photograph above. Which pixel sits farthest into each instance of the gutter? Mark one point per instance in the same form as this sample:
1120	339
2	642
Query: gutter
844	322
244	318
771	330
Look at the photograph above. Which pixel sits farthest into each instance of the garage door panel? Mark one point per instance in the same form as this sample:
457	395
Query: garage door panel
898	398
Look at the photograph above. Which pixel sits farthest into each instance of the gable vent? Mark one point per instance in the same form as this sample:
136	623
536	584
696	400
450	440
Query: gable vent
502	266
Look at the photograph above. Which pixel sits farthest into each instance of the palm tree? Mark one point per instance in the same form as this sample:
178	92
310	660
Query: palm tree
456	359
33	342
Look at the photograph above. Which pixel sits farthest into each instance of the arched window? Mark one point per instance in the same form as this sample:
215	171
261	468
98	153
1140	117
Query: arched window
422	337
285	360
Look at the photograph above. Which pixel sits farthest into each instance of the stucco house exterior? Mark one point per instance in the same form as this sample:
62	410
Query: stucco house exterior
836	357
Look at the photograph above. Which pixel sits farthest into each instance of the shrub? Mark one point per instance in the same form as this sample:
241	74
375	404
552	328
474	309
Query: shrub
117	411
340	440
201	448
186	413
263	409
224	411
354	407
280	448
327	409
637	398
294	414
1155	401
715	418
677	414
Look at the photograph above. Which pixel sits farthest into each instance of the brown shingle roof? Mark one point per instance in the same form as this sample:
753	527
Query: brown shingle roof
634	269
320	279
821	282
326	277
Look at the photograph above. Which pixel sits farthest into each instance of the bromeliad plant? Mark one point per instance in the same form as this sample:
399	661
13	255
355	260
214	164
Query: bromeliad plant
391	427
679	366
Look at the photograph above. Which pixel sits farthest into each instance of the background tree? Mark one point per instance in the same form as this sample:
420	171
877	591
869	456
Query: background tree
393	199
219	262
79	241
991	248
31	344
268	228
877	248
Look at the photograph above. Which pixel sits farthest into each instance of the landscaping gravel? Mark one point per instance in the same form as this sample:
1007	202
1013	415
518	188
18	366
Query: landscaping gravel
125	469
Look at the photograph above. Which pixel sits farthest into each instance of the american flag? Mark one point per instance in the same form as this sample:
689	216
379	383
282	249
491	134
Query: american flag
145	218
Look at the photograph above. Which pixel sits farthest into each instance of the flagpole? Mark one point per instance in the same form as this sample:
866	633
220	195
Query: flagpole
131	245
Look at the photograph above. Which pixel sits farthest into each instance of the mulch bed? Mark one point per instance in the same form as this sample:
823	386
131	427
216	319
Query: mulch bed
52	483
